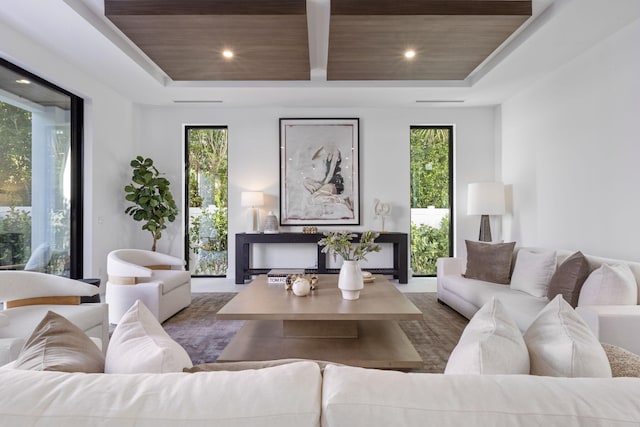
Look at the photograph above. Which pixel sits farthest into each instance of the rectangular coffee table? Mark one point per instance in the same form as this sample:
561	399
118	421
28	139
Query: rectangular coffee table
322	326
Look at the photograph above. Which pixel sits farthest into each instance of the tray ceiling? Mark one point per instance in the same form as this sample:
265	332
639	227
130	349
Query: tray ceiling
270	39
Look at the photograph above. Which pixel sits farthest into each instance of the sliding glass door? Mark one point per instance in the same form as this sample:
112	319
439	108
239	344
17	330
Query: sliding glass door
40	170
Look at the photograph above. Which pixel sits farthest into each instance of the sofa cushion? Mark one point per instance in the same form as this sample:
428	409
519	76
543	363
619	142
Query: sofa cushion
283	396
58	345
23	320
489	262
609	285
4	320
357	397
490	344
522	307
139	344
533	270
170	279
561	345
569	278
623	362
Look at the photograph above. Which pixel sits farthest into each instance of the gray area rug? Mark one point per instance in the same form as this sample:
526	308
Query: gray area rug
204	338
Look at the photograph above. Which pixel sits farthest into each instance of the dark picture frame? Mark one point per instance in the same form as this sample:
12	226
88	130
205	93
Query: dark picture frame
319	171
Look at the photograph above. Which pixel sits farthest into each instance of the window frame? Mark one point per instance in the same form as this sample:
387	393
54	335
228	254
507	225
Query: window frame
76	146
187	248
450	128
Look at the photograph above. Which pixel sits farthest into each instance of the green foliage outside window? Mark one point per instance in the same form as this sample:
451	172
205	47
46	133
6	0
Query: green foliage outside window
15	156
429	154
16	226
208	231
428	244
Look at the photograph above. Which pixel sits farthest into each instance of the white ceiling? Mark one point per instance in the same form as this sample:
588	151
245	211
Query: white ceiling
558	31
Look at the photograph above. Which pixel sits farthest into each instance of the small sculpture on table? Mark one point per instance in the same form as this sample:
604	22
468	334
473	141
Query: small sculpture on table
382	211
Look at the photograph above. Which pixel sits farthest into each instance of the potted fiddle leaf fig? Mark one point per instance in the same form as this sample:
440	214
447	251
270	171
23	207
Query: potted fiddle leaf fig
153	203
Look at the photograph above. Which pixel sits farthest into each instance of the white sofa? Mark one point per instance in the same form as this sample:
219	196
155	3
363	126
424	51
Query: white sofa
300	395
613	324
158	280
31	295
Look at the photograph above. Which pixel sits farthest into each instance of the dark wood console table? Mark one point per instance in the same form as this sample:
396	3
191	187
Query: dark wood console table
245	240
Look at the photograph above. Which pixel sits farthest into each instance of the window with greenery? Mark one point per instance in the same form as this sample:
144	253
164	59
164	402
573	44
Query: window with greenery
431	197
206	169
40	175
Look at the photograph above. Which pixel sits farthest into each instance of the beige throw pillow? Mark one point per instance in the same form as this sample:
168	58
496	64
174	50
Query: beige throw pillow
139	344
561	345
569	278
490	344
609	285
489	262
56	344
623	362
533	270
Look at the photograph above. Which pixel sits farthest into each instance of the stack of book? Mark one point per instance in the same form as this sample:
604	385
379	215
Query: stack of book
279	275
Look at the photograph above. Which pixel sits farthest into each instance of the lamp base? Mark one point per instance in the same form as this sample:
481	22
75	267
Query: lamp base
485	229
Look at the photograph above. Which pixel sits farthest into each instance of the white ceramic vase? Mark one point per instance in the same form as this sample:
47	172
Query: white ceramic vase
350	280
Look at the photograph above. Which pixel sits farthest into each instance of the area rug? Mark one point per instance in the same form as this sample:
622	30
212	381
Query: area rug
204	338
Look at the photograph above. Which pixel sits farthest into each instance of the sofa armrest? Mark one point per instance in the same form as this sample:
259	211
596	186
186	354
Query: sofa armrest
614	324
449	266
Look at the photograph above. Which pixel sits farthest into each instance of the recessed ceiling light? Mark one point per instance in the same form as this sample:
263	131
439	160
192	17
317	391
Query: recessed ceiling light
409	54
227	54
23	81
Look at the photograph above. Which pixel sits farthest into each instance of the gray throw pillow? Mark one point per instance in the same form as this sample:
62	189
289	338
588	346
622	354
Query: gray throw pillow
56	344
569	278
490	262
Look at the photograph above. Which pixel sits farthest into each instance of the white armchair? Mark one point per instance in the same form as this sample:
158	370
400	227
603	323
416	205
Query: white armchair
27	297
158	280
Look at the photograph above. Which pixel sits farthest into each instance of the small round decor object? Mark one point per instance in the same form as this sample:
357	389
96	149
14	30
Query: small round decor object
301	287
367	277
271	224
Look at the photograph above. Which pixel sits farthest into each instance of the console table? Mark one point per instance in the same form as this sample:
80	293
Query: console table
244	271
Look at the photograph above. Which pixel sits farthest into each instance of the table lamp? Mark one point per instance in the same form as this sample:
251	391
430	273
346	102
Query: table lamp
252	199
485	198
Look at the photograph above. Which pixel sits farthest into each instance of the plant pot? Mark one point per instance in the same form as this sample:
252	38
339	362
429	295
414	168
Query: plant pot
350	280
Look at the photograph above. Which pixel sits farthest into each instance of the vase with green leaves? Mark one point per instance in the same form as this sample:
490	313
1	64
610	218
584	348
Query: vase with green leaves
153	202
341	243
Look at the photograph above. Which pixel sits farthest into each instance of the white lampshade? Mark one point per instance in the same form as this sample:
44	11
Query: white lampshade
250	199
485	198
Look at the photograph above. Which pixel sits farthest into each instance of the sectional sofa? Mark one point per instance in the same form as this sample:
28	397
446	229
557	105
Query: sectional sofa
611	323
300	394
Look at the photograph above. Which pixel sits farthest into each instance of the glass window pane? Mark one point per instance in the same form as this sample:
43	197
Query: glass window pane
207	200
431	177
35	175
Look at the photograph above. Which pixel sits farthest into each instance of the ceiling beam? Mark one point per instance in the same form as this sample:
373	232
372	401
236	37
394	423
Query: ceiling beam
204	7
431	7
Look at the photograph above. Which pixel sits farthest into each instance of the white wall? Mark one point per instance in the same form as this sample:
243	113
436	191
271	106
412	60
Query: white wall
108	135
254	162
570	153
116	130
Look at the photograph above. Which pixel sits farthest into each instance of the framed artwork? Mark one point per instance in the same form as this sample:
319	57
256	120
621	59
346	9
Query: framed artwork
319	172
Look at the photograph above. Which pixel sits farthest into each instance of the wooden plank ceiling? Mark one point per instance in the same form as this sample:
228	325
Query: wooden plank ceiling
186	38
367	38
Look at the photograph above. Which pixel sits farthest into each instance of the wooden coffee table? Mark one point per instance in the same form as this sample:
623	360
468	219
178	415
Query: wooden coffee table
322	326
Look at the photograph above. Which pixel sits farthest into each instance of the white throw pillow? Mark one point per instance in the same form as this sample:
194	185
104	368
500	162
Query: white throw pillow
39	258
533	271
490	344
139	344
561	345
609	285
